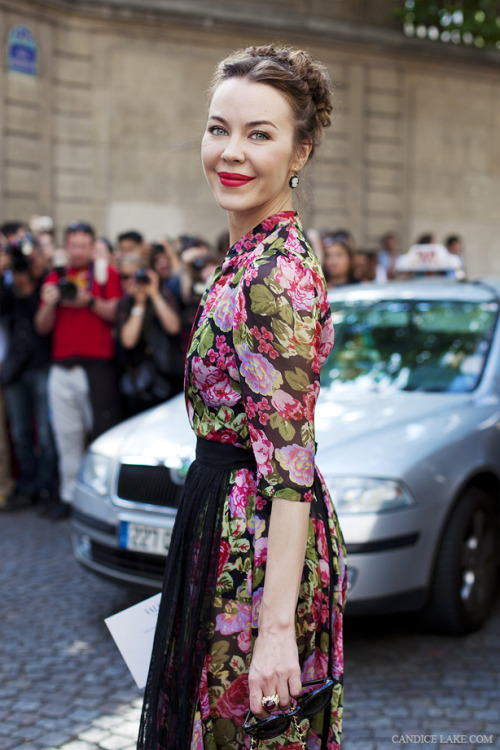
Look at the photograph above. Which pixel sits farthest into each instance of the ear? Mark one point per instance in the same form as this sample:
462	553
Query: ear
301	156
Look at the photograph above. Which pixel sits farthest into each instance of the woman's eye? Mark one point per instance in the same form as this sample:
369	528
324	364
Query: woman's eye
259	135
216	130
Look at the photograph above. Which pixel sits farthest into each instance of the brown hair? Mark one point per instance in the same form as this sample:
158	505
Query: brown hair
303	81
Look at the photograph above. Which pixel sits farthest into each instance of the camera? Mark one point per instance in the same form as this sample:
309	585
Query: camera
20	253
199	264
67	288
141	276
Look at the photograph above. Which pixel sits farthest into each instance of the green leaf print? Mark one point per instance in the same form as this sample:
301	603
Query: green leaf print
284	427
286	310
206	341
298	379
282	332
287	493
307	433
263	302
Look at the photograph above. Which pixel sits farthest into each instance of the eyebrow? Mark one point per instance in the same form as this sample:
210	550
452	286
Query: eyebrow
252	124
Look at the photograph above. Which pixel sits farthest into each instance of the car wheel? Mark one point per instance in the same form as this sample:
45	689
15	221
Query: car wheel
464	585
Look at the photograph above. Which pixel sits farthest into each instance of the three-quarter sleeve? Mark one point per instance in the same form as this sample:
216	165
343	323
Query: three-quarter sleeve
278	337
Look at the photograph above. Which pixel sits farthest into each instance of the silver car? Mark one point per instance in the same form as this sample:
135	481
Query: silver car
408	427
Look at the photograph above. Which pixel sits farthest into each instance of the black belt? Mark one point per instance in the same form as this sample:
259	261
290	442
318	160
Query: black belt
224	455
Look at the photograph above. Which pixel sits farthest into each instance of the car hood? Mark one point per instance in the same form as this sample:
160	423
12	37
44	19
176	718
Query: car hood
377	434
370	434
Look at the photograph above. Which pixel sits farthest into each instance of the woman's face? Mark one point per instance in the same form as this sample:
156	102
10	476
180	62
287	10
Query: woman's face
337	262
161	265
248	150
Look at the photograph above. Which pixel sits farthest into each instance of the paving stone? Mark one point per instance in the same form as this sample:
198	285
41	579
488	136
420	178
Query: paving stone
69	689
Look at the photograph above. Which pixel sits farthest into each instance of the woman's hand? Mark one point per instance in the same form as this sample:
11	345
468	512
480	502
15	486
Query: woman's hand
274	669
153	288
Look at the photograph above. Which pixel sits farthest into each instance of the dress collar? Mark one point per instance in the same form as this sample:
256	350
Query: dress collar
261	231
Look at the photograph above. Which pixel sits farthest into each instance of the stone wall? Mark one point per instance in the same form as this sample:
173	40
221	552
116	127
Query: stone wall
110	128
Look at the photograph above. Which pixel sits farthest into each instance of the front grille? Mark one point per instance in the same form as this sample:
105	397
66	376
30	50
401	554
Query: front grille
147	566
148	484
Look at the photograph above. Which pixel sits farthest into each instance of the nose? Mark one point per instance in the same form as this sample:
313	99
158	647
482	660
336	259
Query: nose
234	151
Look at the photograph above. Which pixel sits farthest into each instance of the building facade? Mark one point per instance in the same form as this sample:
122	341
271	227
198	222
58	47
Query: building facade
104	121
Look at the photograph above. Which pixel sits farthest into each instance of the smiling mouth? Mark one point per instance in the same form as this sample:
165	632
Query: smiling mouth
233	180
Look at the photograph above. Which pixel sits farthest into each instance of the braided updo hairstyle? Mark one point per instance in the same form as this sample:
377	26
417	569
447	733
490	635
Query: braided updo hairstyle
303	81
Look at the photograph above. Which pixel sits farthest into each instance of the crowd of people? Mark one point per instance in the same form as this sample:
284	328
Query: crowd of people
92	333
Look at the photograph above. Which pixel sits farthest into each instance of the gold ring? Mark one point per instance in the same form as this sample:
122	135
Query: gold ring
270	702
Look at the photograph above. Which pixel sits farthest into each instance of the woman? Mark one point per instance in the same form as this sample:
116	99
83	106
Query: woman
255	582
338	259
148	325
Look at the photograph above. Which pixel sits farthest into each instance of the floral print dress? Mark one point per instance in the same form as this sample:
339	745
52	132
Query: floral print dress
261	335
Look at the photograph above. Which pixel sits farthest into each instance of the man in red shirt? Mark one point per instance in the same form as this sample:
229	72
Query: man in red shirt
78	306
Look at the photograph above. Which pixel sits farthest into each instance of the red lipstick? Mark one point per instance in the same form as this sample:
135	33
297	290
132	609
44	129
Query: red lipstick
233	179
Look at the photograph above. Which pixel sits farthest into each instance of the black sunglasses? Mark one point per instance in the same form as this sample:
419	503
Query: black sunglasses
308	704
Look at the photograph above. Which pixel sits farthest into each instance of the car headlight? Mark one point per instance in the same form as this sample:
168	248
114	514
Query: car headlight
367	494
95	472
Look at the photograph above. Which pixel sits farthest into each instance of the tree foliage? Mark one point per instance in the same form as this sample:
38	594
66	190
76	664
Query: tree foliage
471	22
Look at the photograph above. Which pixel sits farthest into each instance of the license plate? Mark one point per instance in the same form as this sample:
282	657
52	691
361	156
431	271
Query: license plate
138	537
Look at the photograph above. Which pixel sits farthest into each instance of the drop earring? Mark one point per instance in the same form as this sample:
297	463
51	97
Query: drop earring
294	180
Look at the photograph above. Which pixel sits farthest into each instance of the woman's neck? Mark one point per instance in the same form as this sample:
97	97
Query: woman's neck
242	222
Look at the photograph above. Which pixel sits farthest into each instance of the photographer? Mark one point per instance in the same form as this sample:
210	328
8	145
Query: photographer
24	376
198	266
148	330
78	306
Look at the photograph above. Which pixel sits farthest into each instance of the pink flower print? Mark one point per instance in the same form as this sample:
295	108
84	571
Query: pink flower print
250	273
299	462
293	242
325	572
240	313
221	393
319	528
263	450
250	407
260	502
224	312
286	405
236	618
222	436
287	272
260	551
215	384
302	292
245	641
203	694
256	602
338	651
316	666
310	399
238	502
326	341
231	367
233	704
224	552
197	735
259	374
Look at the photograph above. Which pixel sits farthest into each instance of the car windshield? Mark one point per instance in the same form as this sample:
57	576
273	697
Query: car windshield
432	346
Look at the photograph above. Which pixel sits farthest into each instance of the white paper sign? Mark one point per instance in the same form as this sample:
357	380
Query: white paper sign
133	632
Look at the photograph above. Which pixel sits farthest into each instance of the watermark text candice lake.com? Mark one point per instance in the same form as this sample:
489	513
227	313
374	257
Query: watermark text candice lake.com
443	739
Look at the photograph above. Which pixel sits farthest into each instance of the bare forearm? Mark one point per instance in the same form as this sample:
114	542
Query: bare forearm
44	319
170	321
105	309
285	561
131	331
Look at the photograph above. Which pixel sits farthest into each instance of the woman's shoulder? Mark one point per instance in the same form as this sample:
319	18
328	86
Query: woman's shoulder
286	250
